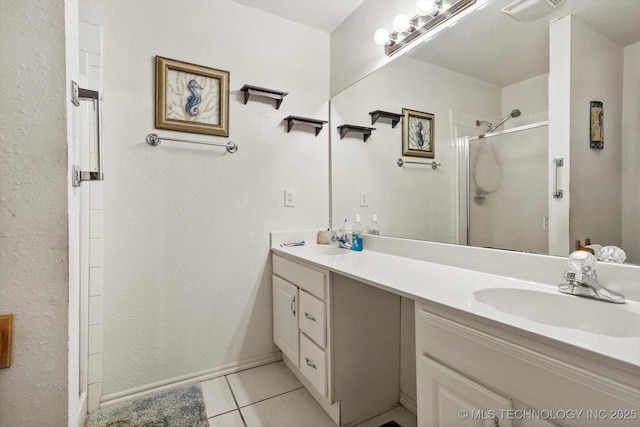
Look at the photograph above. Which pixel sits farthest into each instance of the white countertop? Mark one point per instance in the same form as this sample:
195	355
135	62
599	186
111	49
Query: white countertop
604	329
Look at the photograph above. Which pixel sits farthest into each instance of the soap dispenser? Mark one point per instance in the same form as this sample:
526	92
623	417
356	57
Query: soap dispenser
375	227
356	234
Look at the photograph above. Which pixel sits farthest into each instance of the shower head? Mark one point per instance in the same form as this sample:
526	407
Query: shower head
514	113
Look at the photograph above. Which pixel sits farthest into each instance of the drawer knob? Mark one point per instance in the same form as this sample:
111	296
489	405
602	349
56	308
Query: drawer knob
308	316
310	363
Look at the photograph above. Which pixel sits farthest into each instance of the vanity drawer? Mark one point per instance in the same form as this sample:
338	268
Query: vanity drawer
312	281
312	318
313	364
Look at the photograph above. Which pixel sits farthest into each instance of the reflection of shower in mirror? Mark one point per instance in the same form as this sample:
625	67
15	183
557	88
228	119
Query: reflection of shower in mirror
513	113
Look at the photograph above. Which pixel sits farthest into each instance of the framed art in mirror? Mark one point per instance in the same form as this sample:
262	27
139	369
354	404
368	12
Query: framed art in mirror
597	125
191	98
417	134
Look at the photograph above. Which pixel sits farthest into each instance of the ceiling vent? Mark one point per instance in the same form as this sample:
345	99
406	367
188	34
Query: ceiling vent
530	10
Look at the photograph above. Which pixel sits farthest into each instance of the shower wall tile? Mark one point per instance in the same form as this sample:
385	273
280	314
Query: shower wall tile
90	38
95	195
95	368
95	281
95	253
95	311
93	393
95	224
95	339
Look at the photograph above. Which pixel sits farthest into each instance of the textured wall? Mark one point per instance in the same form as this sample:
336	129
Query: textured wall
34	269
187	284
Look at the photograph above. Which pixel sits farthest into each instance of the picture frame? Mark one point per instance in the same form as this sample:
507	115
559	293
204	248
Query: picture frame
596	129
191	98
418	133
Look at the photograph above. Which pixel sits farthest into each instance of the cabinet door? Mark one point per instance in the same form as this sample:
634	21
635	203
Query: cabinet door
449	399
285	318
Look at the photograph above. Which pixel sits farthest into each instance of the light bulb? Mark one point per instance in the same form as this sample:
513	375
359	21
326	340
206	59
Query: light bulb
425	7
401	23
381	36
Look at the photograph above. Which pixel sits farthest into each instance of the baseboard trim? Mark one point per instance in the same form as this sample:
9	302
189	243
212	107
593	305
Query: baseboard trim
410	404
181	381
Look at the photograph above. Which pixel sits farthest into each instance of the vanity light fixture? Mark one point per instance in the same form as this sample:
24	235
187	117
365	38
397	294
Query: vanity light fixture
429	19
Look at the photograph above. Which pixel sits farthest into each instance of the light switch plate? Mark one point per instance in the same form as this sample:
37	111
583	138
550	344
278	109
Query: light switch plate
364	199
6	336
289	198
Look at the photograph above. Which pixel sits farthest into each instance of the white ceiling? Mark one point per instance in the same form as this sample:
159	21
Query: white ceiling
487	44
323	15
491	46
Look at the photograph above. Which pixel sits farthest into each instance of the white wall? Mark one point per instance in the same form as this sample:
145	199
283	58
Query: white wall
187	287
354	54
34	263
596	183
631	154
413	201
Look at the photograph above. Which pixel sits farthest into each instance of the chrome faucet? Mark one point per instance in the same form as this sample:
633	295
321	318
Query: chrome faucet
583	281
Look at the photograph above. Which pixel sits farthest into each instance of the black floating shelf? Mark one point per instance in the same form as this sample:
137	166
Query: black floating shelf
365	131
379	114
296	120
261	91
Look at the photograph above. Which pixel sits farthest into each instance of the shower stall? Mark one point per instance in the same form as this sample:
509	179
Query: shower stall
506	200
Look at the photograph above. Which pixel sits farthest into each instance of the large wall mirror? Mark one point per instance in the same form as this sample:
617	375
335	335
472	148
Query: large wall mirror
493	186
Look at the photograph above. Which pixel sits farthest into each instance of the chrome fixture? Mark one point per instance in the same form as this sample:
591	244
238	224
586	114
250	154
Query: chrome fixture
514	113
557	191
429	19
433	165
78	94
154	139
583	280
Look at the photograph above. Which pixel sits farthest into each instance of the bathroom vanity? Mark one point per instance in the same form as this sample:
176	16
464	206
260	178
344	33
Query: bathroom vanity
490	350
322	322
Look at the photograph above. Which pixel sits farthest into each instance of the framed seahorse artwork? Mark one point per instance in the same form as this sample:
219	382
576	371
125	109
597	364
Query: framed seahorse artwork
191	98
417	133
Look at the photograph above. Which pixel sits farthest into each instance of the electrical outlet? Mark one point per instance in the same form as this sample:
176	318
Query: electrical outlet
364	199
289	198
6	335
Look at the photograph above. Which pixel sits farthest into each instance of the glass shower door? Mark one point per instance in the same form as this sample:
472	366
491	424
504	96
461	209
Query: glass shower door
508	190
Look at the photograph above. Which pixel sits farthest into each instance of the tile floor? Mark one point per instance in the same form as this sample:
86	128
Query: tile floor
271	396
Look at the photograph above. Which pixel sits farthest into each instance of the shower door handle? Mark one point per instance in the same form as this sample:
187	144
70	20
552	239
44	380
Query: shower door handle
78	94
557	192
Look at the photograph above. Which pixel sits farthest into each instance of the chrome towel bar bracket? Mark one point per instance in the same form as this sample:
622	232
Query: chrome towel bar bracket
154	139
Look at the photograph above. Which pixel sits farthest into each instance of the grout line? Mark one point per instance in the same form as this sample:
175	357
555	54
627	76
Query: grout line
271	397
235	401
222	413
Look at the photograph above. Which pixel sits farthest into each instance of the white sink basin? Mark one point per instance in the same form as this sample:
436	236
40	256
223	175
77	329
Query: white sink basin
563	311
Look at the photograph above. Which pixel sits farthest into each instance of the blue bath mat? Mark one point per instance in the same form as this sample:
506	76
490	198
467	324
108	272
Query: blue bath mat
182	407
